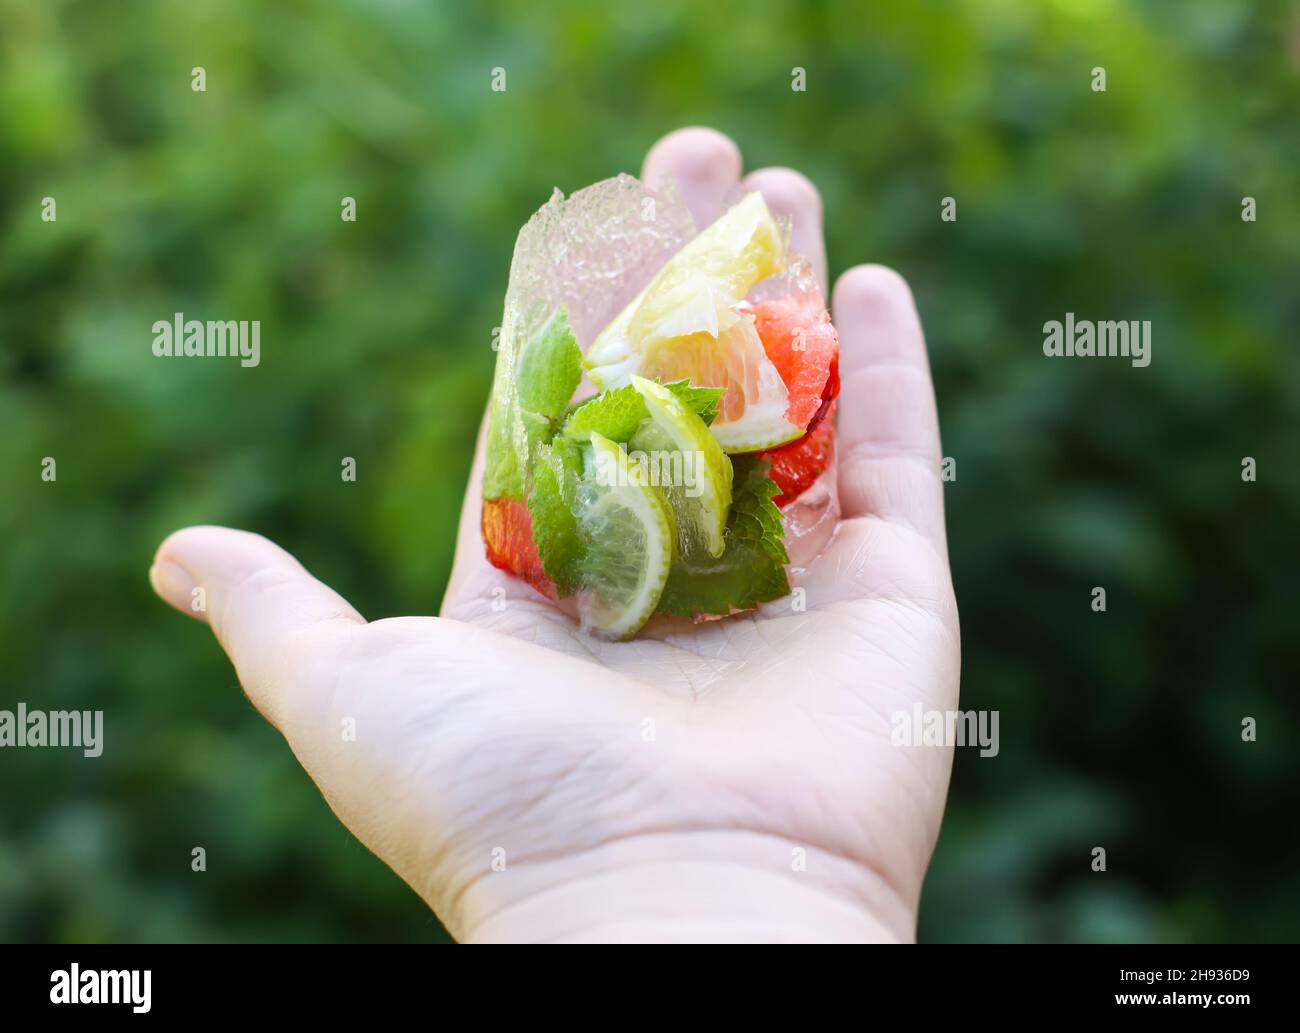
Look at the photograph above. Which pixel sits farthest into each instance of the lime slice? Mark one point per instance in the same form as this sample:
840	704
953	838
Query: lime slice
686	461
627	527
688	324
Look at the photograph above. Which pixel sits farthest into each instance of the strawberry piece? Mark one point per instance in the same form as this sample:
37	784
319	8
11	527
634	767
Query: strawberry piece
795	466
801	342
508	535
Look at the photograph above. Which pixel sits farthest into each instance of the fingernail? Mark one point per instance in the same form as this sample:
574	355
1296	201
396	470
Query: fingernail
172	583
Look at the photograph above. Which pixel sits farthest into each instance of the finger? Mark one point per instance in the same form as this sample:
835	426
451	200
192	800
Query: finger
259	601
888	431
703	163
791	195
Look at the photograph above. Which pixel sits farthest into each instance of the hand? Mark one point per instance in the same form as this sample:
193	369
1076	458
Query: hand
733	780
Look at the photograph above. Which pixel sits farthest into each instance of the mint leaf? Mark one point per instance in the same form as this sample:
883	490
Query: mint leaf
550	367
704	400
617	413
531	388
513	435
751	569
551	508
503	473
613	414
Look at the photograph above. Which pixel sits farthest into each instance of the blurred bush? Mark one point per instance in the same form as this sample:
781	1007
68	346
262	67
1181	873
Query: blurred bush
1119	729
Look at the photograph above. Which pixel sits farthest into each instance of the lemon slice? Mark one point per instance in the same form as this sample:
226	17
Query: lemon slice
687	462
628	529
688	324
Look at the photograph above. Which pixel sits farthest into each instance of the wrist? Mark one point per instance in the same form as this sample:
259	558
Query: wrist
675	887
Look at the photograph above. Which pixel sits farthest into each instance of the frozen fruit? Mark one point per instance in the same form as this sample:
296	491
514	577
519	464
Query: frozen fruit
801	342
508	536
628	537
797	465
717	370
689	322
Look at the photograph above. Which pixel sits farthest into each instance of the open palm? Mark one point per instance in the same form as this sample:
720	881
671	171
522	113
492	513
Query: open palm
732	780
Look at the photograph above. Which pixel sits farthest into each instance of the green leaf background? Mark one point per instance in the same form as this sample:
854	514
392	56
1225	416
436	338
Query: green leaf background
1118	729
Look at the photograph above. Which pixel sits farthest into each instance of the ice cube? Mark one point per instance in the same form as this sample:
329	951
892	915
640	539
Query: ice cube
593	252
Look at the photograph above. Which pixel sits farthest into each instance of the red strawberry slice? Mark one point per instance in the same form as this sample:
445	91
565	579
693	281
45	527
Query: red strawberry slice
801	342
508	535
795	466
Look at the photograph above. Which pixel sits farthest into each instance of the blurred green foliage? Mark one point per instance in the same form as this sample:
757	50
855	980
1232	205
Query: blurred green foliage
1119	729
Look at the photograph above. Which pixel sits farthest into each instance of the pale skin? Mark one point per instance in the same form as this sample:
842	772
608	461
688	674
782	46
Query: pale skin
730	781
